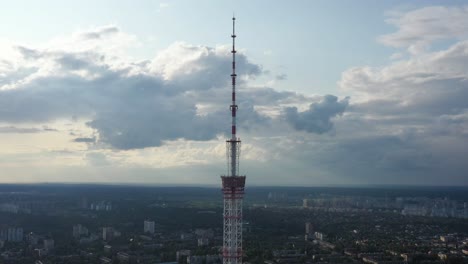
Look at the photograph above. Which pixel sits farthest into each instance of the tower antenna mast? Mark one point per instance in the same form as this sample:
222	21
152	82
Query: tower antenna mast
233	184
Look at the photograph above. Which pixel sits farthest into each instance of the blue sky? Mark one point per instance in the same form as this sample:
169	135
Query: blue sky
332	92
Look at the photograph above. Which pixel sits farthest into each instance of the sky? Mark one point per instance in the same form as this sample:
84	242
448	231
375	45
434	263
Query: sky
329	92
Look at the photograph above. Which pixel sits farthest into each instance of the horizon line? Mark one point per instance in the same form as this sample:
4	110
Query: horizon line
170	185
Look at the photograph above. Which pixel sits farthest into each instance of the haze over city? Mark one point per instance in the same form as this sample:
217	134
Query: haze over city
329	92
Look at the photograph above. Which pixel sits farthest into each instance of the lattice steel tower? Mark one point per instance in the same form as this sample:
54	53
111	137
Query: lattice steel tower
233	184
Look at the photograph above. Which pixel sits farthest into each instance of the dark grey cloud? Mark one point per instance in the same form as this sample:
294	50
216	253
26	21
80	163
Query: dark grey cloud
100	32
281	77
317	119
85	139
75	61
28	53
143	122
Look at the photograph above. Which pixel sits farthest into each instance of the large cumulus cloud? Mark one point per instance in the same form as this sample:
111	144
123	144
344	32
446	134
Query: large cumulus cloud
133	104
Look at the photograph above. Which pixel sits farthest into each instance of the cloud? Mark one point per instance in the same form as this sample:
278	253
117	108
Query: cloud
182	64
99	32
97	159
25	130
21	130
163	5
419	28
85	140
28	53
133	105
281	77
434	83
317	119
407	120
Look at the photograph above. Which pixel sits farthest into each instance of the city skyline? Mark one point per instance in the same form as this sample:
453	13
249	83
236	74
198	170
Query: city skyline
330	93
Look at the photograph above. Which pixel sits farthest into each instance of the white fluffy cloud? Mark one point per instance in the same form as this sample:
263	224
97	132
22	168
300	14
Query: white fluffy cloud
417	29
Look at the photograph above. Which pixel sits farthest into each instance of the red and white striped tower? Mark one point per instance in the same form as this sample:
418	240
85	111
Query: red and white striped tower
233	184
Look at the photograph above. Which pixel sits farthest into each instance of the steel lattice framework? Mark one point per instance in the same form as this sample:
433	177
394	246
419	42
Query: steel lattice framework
233	184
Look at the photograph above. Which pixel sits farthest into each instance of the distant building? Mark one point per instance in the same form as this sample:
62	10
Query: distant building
203	242
319	235
442	256
79	230
16	234
33	239
101	206
12	234
107	233
186	236
49	244
148	226
182	253
204	233
40	252
309	231
305	203
9	207
414	209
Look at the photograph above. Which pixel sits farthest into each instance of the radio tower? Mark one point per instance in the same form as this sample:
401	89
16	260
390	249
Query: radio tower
233	184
